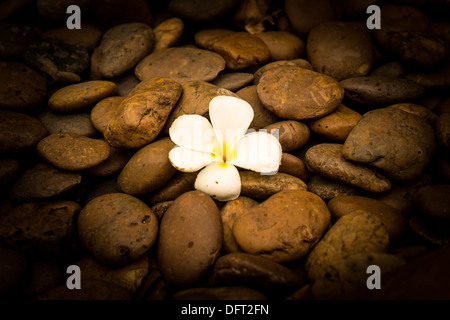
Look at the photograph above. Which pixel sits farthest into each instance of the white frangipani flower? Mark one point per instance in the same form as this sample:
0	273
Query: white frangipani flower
220	147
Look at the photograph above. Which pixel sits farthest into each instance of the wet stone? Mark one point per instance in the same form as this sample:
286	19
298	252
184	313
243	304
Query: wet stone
61	61
21	87
181	64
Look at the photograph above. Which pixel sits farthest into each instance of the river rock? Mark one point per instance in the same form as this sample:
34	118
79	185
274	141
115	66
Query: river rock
122	47
9	169
70	151
202	10
13	270
88	36
56	9
189	241
336	125
117	159
117	228
418	110
283	228
394	220
443	129
82	95
433	201
43	181
291	134
328	189
21	87
356	232
142	114
148	169
206	38
180	183
79	123
394	141
327	160
181	64
167	33
233	81
242	50
381	91
40	227
293	166
341	50
391	69
282	45
104	111
44	276
302	63
297	93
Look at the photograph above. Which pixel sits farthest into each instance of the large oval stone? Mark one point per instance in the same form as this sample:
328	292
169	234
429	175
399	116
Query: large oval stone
296	93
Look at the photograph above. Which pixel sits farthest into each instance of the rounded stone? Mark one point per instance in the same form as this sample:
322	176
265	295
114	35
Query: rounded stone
392	140
390	69
9	169
293	166
296	93
20	86
181	64
233	81
79	123
122	47
302	63
43	181
82	95
142	115
341	50
88	36
207	37
117	228
283	228
328	189
381	91
327	159
180	183
434	201
148	169
291	134
282	45
189	241
394	220
117	159
242	50
418	110
19	131
104	111
167	33
40	227
70	151
356	232
336	125
443	129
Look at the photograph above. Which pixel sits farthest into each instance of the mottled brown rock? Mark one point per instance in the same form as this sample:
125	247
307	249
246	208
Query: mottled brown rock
381	91
117	228
434	201
20	86
418	110
189	241
207	37
142	114
117	159
294	166
19	131
341	50
167	33
261	116
70	151
291	134
43	181
302	63
180	183
39	227
282	45
283	228
328	189
79	123
337	125
79	96
297	93
443	129
160	208
390	69
181	64
122	47
327	160
233	81
392	140
201	10
356	232
394	220
104	111
148	169
88	36
242	50
195	99
260	187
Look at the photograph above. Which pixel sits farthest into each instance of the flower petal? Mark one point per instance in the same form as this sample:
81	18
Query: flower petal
189	160
194	132
258	151
230	117
220	181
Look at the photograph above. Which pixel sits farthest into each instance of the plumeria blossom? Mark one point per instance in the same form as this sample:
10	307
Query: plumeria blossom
222	145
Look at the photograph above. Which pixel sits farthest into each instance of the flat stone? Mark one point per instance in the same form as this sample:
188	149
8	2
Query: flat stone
282	45
297	93
327	160
104	111
328	189
181	64
207	37
167	33
79	123
302	63
233	81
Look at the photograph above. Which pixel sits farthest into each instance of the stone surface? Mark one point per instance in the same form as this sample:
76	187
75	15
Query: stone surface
418	110
433	201
291	134
328	189
189	241
282	45
116	161
180	183
167	33
14	39
233	81
70	151
181	64
142	114
201	10
79	123
327	160
394	141
117	228
9	169
206	38
88	36
13	269
104	111
296	93
82	95
20	86
293	166
302	63
443	129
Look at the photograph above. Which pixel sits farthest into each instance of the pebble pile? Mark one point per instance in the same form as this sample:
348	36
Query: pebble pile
363	117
